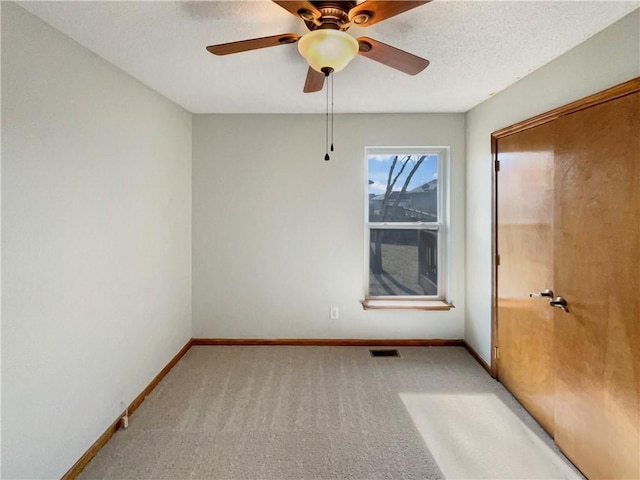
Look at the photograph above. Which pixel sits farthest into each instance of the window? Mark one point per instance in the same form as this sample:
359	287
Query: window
406	227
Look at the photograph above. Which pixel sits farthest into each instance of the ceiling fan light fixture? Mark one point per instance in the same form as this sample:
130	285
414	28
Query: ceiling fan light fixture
327	49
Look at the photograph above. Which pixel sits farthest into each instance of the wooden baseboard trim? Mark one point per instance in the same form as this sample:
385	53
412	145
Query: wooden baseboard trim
93	450
149	388
330	342
84	460
478	358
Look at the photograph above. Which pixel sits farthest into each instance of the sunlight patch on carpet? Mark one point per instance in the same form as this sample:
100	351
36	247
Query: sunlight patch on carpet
478	436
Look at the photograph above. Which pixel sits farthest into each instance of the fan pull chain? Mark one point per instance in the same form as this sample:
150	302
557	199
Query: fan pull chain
326	154
328	71
332	112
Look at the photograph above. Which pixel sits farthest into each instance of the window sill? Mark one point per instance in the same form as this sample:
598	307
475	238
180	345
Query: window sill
404	304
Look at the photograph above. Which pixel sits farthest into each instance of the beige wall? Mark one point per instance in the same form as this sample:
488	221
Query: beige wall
96	243
606	59
278	233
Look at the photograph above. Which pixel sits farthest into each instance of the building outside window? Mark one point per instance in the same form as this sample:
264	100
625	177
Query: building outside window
406	216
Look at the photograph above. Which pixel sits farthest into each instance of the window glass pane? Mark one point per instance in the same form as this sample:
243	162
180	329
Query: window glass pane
403	188
403	262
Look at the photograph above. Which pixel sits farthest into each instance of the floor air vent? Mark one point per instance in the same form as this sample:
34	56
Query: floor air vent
384	353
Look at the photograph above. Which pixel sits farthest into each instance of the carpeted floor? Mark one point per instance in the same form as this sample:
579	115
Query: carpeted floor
476	436
296	413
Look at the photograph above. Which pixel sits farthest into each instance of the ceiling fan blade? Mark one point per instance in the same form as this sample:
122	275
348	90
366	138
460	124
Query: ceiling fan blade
302	9
392	57
314	81
253	44
378	10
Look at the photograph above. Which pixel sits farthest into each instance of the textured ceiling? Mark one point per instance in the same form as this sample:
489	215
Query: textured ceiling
476	49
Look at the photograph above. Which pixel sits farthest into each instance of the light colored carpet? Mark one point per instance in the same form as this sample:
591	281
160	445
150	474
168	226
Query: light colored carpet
293	413
477	436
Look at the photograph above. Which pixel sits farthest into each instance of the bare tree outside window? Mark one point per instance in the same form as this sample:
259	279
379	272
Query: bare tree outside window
386	209
404	224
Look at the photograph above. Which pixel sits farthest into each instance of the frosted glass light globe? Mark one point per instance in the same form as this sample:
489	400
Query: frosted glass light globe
328	48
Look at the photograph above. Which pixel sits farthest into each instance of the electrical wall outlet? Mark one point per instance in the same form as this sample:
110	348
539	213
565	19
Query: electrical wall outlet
334	313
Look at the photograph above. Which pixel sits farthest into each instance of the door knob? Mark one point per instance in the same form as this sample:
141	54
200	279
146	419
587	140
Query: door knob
545	293
560	303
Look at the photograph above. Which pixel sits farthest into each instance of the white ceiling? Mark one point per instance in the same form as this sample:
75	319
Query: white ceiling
476	49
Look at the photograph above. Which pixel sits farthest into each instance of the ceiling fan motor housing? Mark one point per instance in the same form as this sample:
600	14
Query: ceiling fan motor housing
335	15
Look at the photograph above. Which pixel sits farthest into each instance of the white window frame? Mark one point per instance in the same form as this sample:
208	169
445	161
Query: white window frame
441	225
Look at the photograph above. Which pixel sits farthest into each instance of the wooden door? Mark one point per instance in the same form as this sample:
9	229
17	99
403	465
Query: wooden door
525	242
568	219
597	271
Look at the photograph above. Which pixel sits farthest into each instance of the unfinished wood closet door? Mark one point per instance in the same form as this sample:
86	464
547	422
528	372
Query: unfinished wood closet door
525	242
597	271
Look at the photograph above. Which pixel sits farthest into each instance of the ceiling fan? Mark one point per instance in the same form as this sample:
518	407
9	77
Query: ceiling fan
326	47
